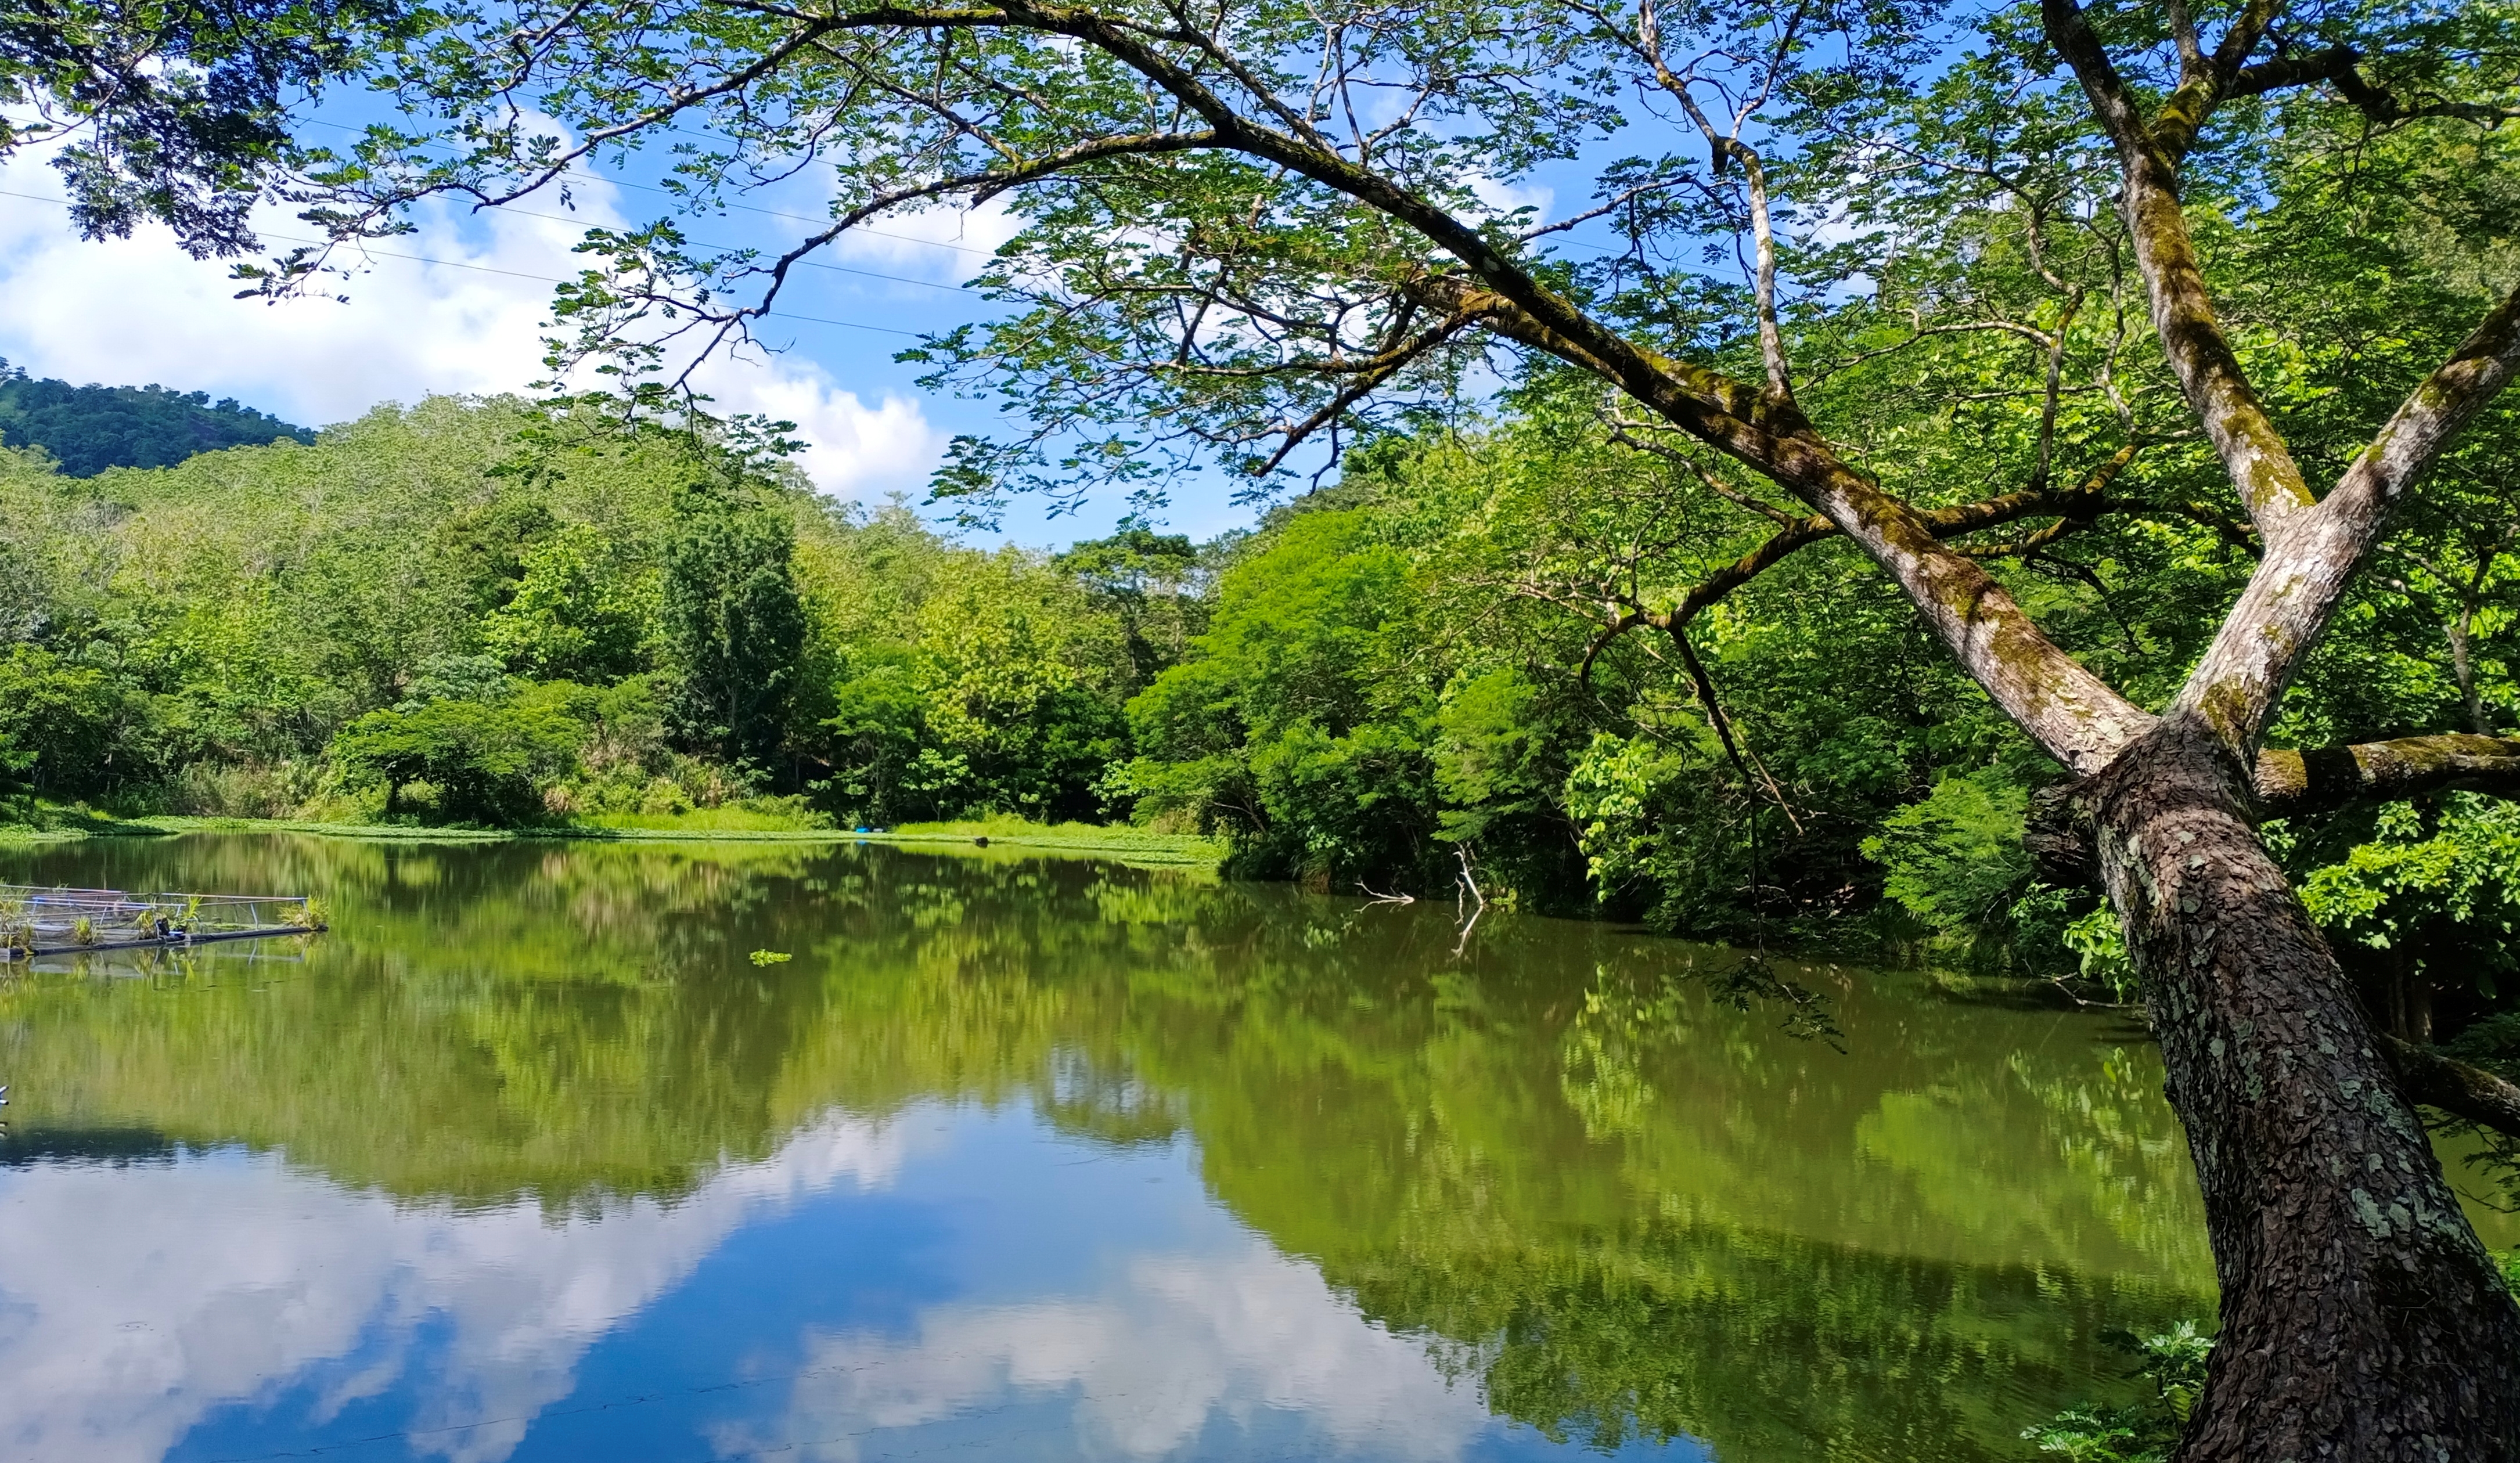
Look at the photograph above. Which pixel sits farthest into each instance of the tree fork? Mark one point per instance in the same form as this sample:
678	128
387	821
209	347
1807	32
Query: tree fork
2362	1318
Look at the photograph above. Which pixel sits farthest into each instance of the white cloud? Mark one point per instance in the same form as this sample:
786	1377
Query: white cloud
948	243
855	450
137	310
1148	1364
1505	197
120	1327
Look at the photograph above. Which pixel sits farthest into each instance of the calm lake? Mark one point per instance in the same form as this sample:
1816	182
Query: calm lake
1031	1157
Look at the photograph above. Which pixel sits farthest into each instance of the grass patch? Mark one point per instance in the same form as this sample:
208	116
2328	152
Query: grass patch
62	823
701	820
170	823
56	824
1120	841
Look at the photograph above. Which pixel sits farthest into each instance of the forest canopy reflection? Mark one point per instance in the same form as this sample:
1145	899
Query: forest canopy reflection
1622	1210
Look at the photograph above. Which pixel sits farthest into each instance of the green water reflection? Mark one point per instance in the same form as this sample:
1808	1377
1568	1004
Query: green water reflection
1619	1208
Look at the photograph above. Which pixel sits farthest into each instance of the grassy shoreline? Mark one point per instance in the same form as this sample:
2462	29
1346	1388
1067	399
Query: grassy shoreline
1081	840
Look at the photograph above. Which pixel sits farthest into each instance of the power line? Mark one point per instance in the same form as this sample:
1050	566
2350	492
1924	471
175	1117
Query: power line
564	218
517	274
799	218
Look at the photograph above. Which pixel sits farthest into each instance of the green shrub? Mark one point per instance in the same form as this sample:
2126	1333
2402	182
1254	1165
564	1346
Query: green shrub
484	761
1954	858
2174	1362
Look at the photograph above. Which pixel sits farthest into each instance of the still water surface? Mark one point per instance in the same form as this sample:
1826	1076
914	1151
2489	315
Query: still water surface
1020	1158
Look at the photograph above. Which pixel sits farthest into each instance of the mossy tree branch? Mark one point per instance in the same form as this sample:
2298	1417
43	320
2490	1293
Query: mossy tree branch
2253	452
2435	1080
2291	783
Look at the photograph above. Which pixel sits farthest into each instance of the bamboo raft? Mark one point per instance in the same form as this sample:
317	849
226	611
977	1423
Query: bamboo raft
38	921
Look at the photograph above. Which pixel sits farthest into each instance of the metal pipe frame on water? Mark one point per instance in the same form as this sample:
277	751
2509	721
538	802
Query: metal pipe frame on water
62	920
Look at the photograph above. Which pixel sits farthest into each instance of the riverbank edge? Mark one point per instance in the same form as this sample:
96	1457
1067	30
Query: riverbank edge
1076	840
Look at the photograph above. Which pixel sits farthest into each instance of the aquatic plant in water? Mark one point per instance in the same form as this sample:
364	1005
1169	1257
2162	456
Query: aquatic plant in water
2146	1432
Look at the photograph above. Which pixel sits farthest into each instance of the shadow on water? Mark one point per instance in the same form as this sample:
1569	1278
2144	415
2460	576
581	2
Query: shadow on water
1618	1210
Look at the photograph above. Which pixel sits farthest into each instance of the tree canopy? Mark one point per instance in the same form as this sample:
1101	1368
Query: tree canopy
175	111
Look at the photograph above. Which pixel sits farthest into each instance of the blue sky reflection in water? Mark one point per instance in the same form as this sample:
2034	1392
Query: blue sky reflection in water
1031	1158
867	1292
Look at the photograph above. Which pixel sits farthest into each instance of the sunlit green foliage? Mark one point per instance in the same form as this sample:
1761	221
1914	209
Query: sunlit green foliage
960	680
80	726
1301	720
2143	1431
580	611
1955	857
2436	891
271	631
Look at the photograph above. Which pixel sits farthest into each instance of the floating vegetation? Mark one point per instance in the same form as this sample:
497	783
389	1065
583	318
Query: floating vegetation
37	921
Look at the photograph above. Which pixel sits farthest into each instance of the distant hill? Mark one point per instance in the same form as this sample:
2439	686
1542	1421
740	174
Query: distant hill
90	428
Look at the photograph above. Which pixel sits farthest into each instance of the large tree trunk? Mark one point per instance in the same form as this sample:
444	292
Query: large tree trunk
2362	1318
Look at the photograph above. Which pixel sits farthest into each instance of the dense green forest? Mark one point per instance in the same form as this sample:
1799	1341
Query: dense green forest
493	612
87	429
486	612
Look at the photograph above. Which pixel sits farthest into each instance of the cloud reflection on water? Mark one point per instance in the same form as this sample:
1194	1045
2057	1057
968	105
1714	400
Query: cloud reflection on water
136	1300
171	1307
1182	1344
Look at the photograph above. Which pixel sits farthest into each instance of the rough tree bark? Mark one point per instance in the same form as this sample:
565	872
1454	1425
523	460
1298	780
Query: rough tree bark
2362	1318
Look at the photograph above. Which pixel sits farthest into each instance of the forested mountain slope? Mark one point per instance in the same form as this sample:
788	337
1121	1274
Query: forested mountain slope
90	428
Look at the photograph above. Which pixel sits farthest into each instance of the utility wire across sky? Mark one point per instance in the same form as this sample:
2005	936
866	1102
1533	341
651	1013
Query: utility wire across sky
519	274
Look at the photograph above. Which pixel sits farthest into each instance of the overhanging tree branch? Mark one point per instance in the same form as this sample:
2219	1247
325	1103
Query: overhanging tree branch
2077	717
1366	381
2453	1087
2341	67
2291	783
2082	502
